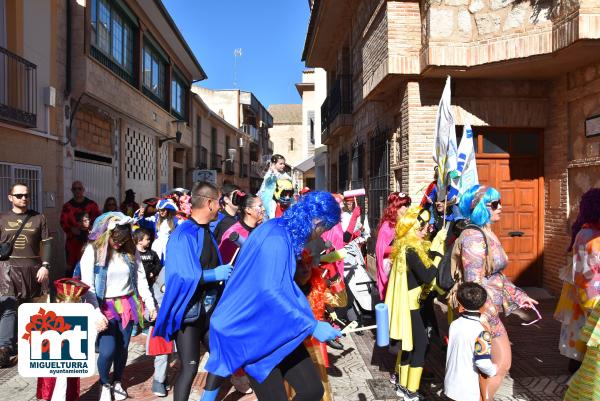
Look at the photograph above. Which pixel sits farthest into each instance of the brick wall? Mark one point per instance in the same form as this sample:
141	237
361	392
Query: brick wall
574	97
93	132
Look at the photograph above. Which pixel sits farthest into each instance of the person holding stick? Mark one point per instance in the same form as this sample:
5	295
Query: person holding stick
263	317
482	260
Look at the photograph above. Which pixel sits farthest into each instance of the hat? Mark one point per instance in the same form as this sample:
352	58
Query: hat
150	201
70	289
167	204
180	190
129	192
304	191
281	186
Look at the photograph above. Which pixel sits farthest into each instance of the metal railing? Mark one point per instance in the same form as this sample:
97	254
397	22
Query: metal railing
338	101
251	130
18	89
215	162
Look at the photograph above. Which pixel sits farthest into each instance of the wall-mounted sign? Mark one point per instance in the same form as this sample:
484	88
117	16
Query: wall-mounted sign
205	175
592	126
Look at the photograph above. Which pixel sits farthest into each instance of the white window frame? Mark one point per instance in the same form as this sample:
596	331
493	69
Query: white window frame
6	181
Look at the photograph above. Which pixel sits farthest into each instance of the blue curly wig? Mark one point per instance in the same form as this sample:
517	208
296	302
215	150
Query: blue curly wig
316	205
479	215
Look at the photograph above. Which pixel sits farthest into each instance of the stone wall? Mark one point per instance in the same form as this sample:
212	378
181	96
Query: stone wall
281	134
475	32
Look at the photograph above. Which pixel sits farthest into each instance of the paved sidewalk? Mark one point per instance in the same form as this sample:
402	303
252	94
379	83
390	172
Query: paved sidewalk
360	372
538	373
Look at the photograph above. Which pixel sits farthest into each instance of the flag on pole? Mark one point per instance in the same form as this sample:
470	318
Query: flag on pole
466	166
444	151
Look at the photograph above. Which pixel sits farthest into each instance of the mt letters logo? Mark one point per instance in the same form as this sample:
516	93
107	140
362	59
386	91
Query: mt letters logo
56	340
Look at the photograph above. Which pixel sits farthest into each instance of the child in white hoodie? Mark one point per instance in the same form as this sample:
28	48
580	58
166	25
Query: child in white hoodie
469	348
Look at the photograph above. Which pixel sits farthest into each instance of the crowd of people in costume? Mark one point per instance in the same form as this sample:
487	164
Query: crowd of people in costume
261	281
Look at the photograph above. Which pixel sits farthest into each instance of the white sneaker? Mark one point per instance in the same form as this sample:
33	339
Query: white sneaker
119	392
105	392
241	384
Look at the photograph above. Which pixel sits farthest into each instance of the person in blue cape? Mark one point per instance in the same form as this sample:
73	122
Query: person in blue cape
263	317
193	270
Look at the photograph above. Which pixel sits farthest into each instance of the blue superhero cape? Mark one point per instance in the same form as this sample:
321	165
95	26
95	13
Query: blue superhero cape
182	275
213	224
262	315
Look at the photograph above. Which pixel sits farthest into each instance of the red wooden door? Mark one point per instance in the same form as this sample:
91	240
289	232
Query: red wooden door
518	181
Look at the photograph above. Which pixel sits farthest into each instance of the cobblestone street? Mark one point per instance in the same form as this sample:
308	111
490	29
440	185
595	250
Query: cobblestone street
538	373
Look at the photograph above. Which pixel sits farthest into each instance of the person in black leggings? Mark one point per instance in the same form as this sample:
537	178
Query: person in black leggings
192	272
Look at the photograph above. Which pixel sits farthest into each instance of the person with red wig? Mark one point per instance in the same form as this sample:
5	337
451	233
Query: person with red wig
397	203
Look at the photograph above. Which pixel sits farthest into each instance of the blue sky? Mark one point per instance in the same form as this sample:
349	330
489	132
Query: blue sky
269	32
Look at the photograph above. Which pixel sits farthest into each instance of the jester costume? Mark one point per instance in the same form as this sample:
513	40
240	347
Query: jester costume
322	292
63	388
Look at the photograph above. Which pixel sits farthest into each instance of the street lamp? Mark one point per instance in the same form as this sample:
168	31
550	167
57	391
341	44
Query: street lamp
178	135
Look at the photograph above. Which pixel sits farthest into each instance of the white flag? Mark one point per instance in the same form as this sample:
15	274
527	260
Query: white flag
467	166
444	151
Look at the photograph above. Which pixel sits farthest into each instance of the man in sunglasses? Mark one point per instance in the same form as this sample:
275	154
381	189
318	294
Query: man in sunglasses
68	221
24	276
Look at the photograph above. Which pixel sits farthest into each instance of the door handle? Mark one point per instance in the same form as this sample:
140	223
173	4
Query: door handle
516	233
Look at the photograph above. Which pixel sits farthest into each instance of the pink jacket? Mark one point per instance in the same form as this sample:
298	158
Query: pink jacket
228	248
382	251
336	236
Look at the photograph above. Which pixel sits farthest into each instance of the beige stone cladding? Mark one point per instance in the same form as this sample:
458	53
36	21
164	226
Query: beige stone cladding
475	32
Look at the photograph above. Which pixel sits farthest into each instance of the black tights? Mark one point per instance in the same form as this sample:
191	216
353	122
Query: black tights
416	357
299	371
188	340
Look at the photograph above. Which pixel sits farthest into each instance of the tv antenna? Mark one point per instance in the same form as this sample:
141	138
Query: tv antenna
236	53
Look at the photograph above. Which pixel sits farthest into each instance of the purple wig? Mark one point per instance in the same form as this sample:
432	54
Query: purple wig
589	212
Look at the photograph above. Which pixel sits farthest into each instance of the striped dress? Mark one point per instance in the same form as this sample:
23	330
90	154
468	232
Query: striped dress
585	384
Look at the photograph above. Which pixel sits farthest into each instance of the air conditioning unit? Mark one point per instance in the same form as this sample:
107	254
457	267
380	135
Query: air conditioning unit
240	142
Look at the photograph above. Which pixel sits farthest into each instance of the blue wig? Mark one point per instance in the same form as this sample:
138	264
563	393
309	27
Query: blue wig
477	214
298	219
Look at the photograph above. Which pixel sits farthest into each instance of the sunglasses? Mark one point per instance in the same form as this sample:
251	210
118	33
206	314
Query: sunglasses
494	204
20	196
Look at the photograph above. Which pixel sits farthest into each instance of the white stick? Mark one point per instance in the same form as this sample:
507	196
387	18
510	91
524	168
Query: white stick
359	329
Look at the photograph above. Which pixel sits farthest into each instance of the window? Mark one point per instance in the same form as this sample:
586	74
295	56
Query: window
198	142
30	175
226	153
112	38
291	147
178	92
241	166
154	74
311	126
213	148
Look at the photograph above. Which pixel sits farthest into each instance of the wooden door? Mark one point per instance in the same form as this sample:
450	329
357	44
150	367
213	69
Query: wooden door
518	179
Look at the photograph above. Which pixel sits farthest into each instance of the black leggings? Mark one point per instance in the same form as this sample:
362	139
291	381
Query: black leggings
416	357
299	371
188	340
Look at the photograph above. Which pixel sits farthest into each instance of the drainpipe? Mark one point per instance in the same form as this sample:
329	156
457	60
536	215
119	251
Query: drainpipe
68	63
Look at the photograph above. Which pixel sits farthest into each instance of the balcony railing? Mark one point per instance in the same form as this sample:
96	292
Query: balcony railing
251	130
215	162
202	158
338	101
18	89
